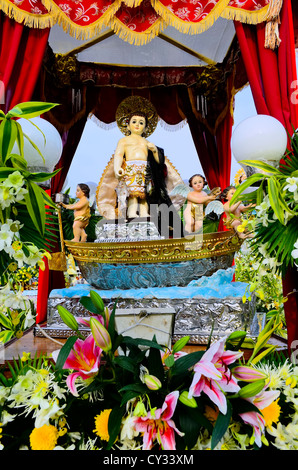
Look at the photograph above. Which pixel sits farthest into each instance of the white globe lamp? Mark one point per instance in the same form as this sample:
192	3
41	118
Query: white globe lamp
47	140
259	138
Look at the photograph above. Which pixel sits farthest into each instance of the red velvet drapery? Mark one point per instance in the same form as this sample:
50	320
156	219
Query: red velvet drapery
21	53
273	79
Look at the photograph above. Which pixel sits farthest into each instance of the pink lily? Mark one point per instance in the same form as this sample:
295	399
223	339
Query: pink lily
255	419
158	424
83	358
104	320
213	377
86	321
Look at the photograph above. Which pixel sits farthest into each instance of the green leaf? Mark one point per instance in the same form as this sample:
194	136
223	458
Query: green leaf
36	206
5	321
42	176
235	340
87	302
255	178
5	172
135	387
126	363
263	354
155	364
114	424
30	109
191	421
20	139
35	147
6	336
274	190
180	344
8	134
141	342
170	361
261	166
129	396
221	426
186	362
18	162
65	351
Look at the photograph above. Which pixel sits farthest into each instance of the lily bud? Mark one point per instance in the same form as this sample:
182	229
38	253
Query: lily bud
68	318
152	382
251	389
140	409
107	315
248	374
100	335
191	402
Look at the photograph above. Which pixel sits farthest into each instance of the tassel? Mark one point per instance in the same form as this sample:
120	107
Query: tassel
272	39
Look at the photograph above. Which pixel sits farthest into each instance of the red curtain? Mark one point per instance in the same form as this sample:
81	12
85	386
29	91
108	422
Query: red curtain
213	148
21	53
273	80
271	74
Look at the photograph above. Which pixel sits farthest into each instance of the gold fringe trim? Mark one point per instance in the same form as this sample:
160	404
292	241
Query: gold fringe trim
133	37
245	16
31	20
272	39
188	26
77	31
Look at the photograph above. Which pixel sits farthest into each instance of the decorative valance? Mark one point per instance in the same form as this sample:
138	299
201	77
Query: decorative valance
135	21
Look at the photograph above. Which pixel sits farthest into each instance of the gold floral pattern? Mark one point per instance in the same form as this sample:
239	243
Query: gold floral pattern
136	21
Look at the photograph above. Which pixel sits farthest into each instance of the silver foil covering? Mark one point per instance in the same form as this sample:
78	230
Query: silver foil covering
197	317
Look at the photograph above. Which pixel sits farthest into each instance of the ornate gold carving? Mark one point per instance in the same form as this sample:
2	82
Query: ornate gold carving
66	68
155	251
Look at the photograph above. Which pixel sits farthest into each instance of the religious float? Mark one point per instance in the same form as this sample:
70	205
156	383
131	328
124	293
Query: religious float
148	262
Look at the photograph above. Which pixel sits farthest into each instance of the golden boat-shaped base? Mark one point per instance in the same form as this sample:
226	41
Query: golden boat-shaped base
154	263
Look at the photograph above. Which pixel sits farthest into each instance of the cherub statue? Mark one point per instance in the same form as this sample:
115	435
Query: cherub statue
234	211
231	212
197	200
82	213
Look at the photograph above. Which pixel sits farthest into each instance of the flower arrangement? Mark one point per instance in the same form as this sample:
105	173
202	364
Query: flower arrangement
23	245
265	284
17	312
106	391
26	277
275	239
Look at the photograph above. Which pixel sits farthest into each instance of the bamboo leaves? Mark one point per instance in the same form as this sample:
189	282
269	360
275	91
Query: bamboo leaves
10	134
276	198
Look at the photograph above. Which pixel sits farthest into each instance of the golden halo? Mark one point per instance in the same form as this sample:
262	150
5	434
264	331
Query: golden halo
135	104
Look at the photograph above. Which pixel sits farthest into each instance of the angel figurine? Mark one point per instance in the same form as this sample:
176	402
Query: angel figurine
197	199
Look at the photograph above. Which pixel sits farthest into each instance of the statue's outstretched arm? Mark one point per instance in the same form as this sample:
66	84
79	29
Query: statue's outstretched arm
118	159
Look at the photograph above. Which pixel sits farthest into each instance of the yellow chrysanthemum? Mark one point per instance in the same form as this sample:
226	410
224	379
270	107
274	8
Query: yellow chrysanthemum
101	425
271	413
44	438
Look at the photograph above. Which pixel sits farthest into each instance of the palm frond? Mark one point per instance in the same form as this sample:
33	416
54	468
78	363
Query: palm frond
29	233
